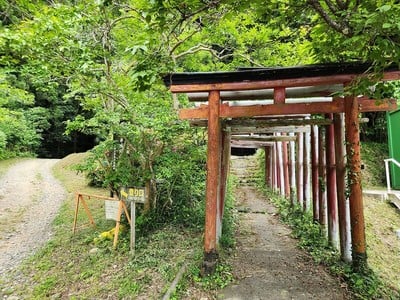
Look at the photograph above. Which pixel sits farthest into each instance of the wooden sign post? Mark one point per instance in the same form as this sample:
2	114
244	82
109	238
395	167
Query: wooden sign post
114	209
133	195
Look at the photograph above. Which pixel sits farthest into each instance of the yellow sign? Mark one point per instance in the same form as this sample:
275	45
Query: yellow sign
132	194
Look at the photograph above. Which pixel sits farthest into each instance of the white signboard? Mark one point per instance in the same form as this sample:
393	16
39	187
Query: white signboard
111	209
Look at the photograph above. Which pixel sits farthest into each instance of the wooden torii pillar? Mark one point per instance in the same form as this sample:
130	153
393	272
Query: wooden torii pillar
343	207
212	219
352	125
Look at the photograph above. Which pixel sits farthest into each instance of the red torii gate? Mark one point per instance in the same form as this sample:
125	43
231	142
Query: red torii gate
314	80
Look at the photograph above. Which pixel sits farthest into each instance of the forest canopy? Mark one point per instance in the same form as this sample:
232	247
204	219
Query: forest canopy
78	74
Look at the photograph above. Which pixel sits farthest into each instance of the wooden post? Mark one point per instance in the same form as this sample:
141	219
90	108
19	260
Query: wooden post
279	95
333	231
118	222
77	199
281	178
274	169
314	174
121	207
212	191
322	181
343	204
285	168
268	169
147	192
306	171
225	158
292	171
359	253
133	227
299	171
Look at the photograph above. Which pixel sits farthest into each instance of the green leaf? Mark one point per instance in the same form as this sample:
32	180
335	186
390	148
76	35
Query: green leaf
385	8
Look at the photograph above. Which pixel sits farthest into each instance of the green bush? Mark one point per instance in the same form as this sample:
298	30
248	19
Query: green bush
176	172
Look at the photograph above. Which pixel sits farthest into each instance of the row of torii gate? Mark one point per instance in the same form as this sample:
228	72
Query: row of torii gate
310	133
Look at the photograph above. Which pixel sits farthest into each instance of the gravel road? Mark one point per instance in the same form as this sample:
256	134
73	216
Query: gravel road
30	198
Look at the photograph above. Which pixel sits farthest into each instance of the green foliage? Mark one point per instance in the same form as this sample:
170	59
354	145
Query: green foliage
17	131
309	233
84	61
218	280
230	220
161	154
245	38
364	284
372	155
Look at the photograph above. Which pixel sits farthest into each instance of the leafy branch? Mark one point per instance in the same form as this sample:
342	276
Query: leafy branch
334	17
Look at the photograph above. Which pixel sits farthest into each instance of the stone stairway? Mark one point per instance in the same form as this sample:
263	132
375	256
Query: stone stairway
245	168
393	196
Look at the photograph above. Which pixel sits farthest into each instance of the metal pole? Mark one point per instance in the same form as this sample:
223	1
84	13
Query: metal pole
389	189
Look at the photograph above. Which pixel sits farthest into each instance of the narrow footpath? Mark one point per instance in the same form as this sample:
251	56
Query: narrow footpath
267	264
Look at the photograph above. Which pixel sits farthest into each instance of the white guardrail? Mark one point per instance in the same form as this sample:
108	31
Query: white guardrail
387	161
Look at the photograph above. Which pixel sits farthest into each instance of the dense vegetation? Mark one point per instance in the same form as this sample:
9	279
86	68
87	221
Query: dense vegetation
78	74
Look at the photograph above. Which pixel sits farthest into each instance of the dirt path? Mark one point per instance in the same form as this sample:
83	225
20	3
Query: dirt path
267	264
29	200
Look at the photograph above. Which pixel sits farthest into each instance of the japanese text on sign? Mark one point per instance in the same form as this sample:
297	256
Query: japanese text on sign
133	194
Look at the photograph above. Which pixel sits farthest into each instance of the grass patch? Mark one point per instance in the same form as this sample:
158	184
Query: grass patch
7	163
74	266
382	220
372	156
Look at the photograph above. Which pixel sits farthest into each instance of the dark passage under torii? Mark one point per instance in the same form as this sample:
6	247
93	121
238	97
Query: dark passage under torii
239	108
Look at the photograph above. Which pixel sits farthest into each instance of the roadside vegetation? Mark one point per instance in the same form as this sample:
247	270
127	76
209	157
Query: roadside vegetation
85	265
87	75
380	279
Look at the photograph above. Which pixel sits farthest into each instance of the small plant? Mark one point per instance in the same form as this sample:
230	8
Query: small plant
229	222
218	280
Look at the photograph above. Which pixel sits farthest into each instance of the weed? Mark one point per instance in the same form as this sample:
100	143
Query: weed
373	154
230	219
128	287
45	287
218	280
